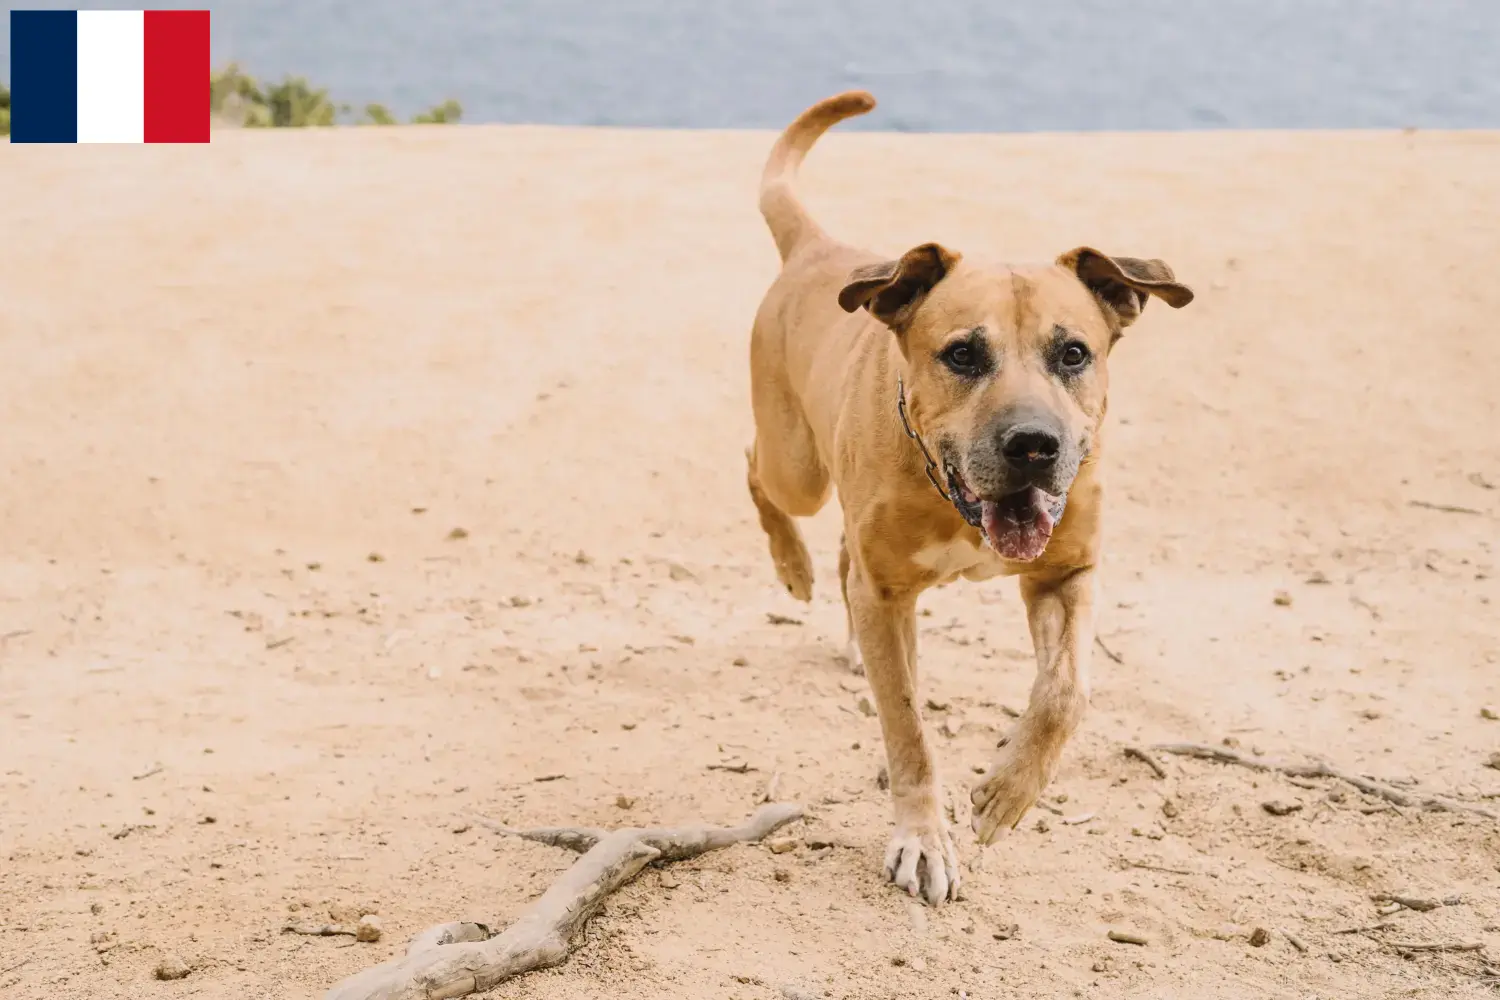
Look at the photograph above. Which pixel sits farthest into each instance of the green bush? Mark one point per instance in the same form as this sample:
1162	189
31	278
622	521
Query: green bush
237	99
444	114
378	114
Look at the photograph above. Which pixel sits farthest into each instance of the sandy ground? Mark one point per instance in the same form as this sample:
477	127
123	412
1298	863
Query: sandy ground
251	392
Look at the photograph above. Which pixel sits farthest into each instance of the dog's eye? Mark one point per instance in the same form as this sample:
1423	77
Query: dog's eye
1075	355
962	358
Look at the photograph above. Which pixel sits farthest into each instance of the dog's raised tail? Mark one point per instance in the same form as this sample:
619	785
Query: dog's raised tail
790	223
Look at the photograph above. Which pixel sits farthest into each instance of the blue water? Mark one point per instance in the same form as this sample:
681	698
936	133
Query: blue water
936	65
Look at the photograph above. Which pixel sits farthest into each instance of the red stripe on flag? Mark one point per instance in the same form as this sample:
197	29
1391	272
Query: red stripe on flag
177	76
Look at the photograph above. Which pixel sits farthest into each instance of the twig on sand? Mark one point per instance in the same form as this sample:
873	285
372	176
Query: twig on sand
1107	651
319	930
1318	769
1156	868
13	968
458	959
1414	902
1148	760
1295	941
569	838
1446	508
1367	929
1409	947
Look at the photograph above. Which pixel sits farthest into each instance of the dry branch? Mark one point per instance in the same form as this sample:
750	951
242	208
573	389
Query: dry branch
1446	508
1414	902
1319	769
1148	760
570	838
318	930
458	959
1107	651
1156	868
1413	946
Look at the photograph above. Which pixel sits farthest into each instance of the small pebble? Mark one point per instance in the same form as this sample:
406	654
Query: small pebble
624	801
669	881
1259	937
1169	809
918	965
461	828
368	929
171	967
782	845
1278	808
1489	713
865	706
783	875
1282	599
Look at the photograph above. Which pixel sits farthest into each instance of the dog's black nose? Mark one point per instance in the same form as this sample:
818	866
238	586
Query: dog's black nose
1030	449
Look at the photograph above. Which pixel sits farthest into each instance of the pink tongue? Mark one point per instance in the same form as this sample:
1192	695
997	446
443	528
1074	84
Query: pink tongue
1021	527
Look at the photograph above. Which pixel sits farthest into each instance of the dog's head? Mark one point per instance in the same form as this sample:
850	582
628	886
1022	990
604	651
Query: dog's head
1007	371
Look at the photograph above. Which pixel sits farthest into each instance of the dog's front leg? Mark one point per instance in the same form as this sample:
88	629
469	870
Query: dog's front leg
1060	609
920	857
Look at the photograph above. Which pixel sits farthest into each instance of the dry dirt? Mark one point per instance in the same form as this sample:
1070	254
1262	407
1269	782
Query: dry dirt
253	393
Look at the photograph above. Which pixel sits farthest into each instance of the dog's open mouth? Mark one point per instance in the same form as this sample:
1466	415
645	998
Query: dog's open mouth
1018	526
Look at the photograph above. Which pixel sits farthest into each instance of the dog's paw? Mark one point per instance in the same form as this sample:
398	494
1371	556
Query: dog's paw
922	860
1007	791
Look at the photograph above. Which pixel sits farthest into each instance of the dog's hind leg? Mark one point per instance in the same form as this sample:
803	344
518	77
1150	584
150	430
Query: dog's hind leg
788	551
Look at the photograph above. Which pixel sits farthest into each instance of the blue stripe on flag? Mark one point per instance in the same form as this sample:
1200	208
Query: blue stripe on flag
43	76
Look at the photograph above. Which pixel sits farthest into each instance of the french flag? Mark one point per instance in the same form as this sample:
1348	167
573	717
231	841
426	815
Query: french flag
109	76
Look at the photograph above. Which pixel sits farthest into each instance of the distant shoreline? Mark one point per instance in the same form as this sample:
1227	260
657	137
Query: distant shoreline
238	100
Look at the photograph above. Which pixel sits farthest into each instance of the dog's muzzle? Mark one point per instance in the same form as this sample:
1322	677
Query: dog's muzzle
1018	525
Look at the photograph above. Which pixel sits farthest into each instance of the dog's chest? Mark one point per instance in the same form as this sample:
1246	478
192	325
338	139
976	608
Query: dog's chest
960	557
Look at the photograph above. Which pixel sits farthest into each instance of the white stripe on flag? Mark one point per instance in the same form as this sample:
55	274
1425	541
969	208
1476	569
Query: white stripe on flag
111	76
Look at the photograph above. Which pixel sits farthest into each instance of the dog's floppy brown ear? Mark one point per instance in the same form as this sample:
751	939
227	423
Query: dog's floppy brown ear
1123	283
892	288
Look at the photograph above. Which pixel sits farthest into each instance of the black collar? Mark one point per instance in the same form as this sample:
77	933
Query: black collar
969	512
932	465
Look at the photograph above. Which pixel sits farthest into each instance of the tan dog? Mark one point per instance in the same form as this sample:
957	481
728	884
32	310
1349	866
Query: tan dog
956	408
